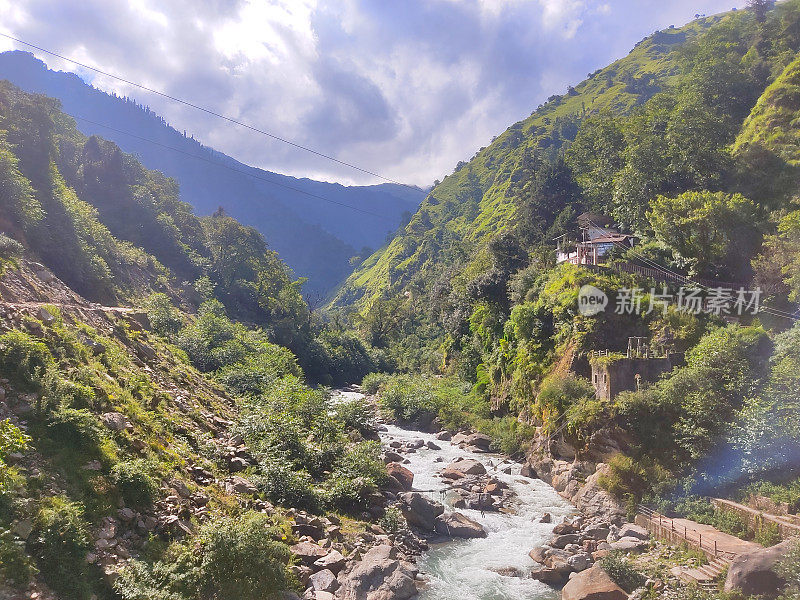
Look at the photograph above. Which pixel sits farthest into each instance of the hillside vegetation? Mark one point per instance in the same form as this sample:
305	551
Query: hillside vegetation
688	144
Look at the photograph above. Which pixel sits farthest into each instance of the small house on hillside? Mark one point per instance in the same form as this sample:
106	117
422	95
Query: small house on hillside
598	236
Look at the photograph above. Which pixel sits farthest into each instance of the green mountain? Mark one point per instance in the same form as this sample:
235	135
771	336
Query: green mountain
479	199
315	238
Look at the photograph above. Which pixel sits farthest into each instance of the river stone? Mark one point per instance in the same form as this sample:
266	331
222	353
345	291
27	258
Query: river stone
401	474
455	524
444	436
433	446
596	533
420	510
390	457
753	572
324	581
467	466
554	577
564	528
579	562
592	584
379	576
560	541
479	440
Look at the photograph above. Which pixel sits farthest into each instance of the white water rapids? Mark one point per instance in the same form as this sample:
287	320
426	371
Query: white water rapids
463	569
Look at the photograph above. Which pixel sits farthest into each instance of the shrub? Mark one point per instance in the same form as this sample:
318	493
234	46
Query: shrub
242	558
176	576
16	566
409	399
789	568
558	394
24	357
135	485
621	571
12	439
373	382
10	251
767	534
358	474
75	428
164	317
392	521
289	487
358	415
632	478
59	541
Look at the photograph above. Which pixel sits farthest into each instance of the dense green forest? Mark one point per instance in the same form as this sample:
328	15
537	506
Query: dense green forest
464	318
688	143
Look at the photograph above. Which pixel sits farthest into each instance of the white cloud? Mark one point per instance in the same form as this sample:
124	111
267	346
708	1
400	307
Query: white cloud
406	89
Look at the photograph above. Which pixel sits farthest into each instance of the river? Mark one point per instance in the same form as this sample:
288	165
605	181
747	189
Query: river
463	569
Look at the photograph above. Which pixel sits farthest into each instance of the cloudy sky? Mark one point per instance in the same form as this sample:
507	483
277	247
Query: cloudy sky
404	88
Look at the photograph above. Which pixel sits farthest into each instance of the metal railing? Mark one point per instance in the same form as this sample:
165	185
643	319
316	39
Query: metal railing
664	527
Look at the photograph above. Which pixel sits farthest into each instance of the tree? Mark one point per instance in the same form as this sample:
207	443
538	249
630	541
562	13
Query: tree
711	233
760	8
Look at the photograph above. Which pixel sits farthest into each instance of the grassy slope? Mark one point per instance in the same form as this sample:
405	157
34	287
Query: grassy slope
469	206
774	123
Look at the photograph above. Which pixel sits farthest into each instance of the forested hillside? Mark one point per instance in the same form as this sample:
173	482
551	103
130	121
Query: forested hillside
117	232
147	356
316	238
688	144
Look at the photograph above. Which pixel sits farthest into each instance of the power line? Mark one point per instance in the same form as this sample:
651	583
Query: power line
213	113
682	278
232	168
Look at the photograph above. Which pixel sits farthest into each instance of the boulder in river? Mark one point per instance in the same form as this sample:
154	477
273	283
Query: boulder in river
478	442
592	584
404	476
460	468
455	524
420	510
379	576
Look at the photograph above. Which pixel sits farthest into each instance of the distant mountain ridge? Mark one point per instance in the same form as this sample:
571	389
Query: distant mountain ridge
314	237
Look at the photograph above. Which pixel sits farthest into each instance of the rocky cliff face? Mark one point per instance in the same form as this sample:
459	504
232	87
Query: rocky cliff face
575	472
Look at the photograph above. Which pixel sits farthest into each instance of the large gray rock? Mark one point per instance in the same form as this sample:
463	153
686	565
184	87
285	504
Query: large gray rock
592	584
479	441
116	421
634	531
333	561
753	573
420	510
324	581
460	468
455	524
379	576
308	553
560	541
